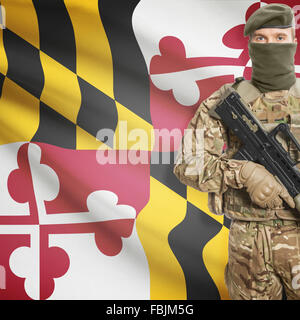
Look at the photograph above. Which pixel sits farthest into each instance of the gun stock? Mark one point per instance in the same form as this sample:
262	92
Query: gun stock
259	145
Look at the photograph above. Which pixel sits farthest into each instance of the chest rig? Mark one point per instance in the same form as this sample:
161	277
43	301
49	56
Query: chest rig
270	109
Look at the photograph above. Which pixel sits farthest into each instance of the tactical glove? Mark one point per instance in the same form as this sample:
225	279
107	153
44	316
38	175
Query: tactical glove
262	186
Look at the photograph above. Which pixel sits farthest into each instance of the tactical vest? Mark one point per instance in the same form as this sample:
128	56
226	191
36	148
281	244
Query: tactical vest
236	203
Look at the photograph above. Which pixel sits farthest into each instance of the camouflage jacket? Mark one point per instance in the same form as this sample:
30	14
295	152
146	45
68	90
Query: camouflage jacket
204	157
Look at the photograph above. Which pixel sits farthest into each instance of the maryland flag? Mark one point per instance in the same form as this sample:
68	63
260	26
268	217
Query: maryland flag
94	99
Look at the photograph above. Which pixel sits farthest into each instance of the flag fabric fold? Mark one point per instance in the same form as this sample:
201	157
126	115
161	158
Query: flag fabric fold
94	99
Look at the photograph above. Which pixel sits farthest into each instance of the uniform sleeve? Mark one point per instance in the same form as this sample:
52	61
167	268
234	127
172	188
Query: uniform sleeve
202	162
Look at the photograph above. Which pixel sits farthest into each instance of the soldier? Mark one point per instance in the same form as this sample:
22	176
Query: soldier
264	238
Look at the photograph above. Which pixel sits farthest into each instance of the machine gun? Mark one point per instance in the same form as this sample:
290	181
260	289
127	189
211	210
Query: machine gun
259	145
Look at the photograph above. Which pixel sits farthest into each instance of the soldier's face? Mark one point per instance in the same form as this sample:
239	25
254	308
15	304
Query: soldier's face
273	35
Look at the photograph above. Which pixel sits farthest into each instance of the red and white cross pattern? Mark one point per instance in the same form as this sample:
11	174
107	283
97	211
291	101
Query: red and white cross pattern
67	225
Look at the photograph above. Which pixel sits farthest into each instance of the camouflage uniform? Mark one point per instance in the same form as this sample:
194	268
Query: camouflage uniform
264	243
262	258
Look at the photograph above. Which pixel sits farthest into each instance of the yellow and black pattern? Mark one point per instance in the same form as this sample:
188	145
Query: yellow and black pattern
70	68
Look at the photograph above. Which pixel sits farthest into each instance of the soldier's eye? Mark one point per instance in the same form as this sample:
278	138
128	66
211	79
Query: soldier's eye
260	38
280	38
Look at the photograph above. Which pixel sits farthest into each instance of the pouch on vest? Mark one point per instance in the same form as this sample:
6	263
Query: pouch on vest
249	93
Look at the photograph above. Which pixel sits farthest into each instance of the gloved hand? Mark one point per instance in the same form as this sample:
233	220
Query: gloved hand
262	186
